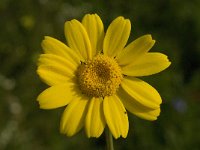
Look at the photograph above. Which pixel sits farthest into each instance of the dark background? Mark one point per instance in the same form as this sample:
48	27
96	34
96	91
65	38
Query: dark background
175	24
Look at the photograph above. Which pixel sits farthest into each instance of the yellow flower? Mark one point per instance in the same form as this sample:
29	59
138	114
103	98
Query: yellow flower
95	76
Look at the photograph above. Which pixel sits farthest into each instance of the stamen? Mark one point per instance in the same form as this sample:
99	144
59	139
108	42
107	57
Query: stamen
99	77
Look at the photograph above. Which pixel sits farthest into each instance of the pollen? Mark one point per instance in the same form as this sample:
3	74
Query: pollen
99	77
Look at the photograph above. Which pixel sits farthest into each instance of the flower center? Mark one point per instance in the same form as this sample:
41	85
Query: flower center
99	77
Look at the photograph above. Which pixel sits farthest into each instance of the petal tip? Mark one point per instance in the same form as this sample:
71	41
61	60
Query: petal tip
124	136
47	37
153	42
120	17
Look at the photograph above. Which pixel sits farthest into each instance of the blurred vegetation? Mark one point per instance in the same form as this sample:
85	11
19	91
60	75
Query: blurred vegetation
174	24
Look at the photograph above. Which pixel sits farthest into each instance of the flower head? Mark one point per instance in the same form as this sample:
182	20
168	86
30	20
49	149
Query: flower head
95	76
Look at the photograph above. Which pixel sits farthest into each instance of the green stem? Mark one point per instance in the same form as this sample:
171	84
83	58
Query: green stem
109	140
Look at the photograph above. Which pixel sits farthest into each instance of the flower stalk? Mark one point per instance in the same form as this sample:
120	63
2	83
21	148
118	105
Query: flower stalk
109	140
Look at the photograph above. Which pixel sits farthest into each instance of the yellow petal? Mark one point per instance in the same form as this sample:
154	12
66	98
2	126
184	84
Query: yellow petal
78	39
148	64
54	46
56	96
115	116
116	36
55	70
95	121
73	117
135	50
142	92
136	108
49	59
95	30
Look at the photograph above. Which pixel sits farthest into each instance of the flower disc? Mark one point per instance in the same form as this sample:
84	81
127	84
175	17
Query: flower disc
99	77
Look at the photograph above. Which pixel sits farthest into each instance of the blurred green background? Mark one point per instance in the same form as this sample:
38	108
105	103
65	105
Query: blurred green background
175	24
